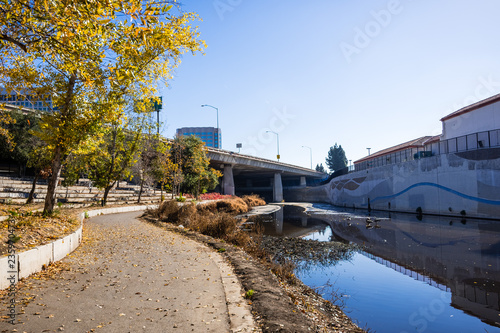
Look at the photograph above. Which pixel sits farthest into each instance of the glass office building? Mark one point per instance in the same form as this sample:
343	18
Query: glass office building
26	100
210	135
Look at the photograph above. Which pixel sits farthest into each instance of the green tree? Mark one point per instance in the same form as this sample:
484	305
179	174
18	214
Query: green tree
82	54
116	152
18	147
142	169
26	149
39	160
189	153
336	159
320	167
5	135
113	160
164	170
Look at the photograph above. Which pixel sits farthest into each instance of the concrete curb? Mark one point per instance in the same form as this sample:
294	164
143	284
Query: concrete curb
16	266
240	314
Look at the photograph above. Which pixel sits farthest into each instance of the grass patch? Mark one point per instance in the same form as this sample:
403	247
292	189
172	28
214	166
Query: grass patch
249	294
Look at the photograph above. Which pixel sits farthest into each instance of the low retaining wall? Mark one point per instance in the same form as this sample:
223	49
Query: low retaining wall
21	265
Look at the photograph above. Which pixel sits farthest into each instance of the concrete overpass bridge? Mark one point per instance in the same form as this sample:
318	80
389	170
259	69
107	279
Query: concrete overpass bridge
244	174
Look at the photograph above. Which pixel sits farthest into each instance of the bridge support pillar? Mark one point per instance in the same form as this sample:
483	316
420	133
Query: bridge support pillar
279	221
304	221
277	188
303	182
228	180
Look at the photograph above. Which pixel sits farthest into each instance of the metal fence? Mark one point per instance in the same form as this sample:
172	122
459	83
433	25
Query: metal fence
488	139
480	140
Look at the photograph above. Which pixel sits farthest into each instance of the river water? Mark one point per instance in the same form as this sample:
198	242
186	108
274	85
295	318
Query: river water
413	274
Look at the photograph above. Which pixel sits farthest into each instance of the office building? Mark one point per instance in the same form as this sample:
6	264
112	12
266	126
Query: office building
26	100
210	135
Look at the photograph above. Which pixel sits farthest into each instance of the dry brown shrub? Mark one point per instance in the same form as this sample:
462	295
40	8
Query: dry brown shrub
215	219
187	214
253	200
221	225
239	238
166	210
284	270
234	205
209	207
172	211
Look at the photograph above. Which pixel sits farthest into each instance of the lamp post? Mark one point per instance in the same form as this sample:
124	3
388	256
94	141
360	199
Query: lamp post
310	154
213	107
277	143
157	107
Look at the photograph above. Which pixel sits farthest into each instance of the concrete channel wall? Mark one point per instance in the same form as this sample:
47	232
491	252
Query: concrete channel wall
462	184
32	261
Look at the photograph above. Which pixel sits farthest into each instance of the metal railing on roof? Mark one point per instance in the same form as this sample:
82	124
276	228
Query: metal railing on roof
470	142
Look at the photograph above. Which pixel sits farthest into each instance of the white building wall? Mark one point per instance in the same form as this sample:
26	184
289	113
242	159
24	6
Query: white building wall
483	119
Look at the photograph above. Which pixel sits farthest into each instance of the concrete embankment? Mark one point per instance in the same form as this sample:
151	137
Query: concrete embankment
461	184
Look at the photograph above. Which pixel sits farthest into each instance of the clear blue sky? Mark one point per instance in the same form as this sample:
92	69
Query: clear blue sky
359	73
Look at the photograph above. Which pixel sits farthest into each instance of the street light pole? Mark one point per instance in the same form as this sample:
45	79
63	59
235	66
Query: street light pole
277	143
311	154
157	107
217	109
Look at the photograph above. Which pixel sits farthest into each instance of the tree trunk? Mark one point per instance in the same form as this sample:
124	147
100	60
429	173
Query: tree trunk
33	187
50	198
140	191
198	190
106	192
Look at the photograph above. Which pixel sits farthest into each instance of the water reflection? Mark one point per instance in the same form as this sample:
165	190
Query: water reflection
454	255
298	223
462	254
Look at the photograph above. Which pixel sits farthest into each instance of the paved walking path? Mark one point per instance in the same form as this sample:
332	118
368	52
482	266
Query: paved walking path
131	276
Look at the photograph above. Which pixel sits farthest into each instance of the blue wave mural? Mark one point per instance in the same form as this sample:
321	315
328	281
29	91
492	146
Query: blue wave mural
441	187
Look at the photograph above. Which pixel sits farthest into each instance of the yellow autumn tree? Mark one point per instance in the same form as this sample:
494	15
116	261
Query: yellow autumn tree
83	54
5	120
164	170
